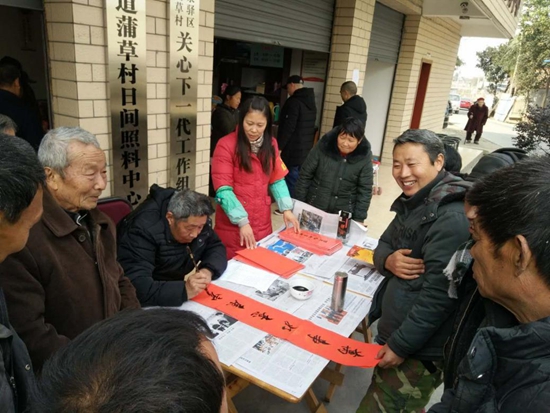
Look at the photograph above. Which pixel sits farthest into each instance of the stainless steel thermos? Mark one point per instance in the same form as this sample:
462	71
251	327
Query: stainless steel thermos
339	291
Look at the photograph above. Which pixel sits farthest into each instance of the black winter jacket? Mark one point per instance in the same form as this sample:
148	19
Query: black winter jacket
506	370
224	121
28	124
16	373
355	107
154	261
330	182
416	315
297	127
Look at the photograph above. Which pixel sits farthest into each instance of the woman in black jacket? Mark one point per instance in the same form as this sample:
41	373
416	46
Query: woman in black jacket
337	174
226	116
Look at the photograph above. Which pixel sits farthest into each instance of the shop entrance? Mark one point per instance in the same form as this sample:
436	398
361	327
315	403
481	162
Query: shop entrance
24	45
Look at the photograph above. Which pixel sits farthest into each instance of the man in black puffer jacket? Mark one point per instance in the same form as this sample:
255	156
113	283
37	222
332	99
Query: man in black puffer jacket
412	303
354	106
296	128
168	248
498	358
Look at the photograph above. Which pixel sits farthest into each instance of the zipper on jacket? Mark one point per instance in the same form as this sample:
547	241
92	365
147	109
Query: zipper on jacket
459	327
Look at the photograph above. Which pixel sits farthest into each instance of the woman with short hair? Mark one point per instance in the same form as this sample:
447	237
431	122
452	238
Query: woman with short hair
337	174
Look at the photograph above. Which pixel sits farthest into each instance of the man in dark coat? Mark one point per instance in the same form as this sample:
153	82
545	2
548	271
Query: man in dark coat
168	248
354	105
21	186
296	128
477	118
11	105
497	358
412	305
66	278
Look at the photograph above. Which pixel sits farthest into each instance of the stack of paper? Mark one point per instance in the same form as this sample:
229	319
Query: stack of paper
311	241
270	261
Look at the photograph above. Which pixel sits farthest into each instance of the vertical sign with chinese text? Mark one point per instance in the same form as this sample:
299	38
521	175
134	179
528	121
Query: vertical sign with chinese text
184	65
126	34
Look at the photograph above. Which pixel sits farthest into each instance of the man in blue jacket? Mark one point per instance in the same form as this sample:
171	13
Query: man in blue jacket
412	304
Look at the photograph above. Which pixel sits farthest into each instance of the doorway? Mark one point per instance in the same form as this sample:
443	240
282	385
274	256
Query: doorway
22	30
421	95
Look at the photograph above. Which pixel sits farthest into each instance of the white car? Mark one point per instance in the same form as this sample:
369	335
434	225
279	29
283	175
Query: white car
455	102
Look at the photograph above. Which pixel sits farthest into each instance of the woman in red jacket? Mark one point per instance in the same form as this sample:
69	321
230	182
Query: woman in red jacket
245	164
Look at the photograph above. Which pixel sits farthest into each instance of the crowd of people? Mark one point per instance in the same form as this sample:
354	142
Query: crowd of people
464	303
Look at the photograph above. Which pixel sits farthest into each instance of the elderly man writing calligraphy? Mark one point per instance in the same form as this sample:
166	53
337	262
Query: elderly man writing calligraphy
67	278
168	248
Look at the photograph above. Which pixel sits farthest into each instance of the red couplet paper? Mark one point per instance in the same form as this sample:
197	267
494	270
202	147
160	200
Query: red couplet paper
311	241
302	333
270	261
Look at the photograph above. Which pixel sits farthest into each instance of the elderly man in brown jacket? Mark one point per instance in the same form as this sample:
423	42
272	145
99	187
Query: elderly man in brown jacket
67	277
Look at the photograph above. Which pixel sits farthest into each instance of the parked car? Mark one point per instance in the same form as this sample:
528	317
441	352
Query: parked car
465	103
455	102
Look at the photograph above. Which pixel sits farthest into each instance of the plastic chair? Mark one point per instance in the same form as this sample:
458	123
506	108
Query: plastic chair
115	208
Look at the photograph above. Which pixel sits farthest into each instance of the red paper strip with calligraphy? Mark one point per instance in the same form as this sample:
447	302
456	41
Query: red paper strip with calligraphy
302	333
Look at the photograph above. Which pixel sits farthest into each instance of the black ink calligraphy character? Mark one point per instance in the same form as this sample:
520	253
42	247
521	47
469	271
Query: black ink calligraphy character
261	316
179	6
186	41
213	296
129	117
179	20
184	65
129	139
191	22
130	159
131	178
184	84
183	126
183	165
133	198
129	72
129	94
317	339
347	350
127	26
191	9
128	49
182	183
236	304
127	6
288	327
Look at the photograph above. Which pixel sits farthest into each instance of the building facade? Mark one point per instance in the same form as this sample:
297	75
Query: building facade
401	54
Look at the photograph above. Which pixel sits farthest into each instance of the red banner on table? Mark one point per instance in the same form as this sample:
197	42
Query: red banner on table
311	241
269	261
302	333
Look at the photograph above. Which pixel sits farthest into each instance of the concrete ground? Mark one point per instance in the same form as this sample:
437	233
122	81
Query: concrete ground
348	396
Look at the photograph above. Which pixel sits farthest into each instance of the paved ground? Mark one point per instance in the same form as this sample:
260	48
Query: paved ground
495	134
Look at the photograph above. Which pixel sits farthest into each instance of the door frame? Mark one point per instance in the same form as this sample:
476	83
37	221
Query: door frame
423	81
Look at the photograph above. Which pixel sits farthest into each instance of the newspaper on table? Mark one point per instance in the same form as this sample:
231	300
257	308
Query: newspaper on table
315	220
232	338
291	368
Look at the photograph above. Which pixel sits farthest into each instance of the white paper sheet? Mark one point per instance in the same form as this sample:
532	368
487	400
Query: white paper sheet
240	273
